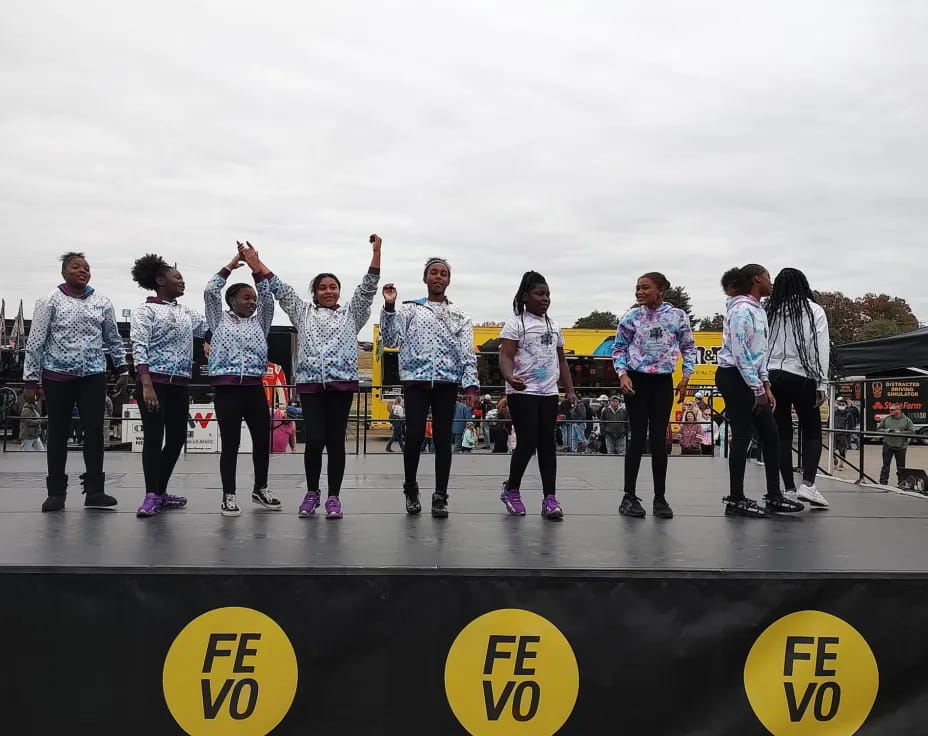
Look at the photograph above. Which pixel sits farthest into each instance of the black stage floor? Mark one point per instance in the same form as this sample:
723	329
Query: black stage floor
481	623
864	531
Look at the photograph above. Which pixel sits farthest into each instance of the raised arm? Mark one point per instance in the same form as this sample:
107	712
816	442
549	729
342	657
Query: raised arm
289	300
389	325
360	306
212	295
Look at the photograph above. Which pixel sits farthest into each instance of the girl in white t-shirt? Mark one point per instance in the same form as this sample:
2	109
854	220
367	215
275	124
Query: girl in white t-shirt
532	360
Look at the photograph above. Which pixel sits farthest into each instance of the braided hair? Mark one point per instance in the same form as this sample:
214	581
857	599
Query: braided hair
788	308
530	279
147	269
233	290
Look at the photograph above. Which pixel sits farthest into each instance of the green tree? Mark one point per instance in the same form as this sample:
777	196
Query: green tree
597	320
711	324
678	297
843	316
883	316
868	317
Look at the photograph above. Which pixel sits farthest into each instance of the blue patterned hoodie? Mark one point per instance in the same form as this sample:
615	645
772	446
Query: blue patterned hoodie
650	341
162	335
69	335
327	356
744	341
238	345
436	342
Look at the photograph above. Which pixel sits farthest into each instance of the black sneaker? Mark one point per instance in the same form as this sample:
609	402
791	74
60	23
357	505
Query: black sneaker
229	505
662	509
413	507
99	500
263	497
744	507
631	506
53	503
439	506
780	504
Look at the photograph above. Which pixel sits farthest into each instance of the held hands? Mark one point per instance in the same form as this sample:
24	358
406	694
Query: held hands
248	254
389	294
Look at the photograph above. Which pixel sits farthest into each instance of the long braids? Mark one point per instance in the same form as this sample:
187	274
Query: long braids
788	307
530	279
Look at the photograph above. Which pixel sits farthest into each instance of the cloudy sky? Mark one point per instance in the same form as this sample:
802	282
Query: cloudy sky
590	141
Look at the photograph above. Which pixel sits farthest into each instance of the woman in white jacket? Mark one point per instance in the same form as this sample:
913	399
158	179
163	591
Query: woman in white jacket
798	368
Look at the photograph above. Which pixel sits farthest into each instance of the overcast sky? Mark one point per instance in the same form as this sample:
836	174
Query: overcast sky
589	141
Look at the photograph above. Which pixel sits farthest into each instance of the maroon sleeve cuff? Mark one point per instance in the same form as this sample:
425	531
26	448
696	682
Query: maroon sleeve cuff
32	384
225	272
389	307
142	369
374	271
472	391
262	276
208	337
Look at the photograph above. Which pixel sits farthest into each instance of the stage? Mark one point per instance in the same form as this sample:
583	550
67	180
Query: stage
638	626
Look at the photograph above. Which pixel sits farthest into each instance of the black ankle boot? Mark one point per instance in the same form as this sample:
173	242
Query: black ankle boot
440	505
57	487
411	491
94	497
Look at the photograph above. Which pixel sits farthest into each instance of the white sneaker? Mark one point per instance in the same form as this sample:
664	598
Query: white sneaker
230	505
792	495
810	495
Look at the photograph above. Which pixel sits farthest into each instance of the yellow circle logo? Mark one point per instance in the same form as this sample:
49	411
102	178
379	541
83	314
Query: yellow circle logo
511	672
811	673
231	671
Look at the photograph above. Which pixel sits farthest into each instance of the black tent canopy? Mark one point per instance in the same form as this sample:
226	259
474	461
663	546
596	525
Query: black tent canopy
910	349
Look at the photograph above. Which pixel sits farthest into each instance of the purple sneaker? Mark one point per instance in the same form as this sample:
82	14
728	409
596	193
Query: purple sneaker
150	506
333	508
310	503
512	501
169	501
551	509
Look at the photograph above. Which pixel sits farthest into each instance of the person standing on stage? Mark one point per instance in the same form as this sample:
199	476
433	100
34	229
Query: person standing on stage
162	332
743	382
648	341
531	360
73	329
237	364
798	368
326	369
436	355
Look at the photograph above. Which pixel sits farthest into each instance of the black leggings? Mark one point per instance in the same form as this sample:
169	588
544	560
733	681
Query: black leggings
89	393
648	413
534	419
325	417
744	420
441	398
791	390
233	404
164	432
